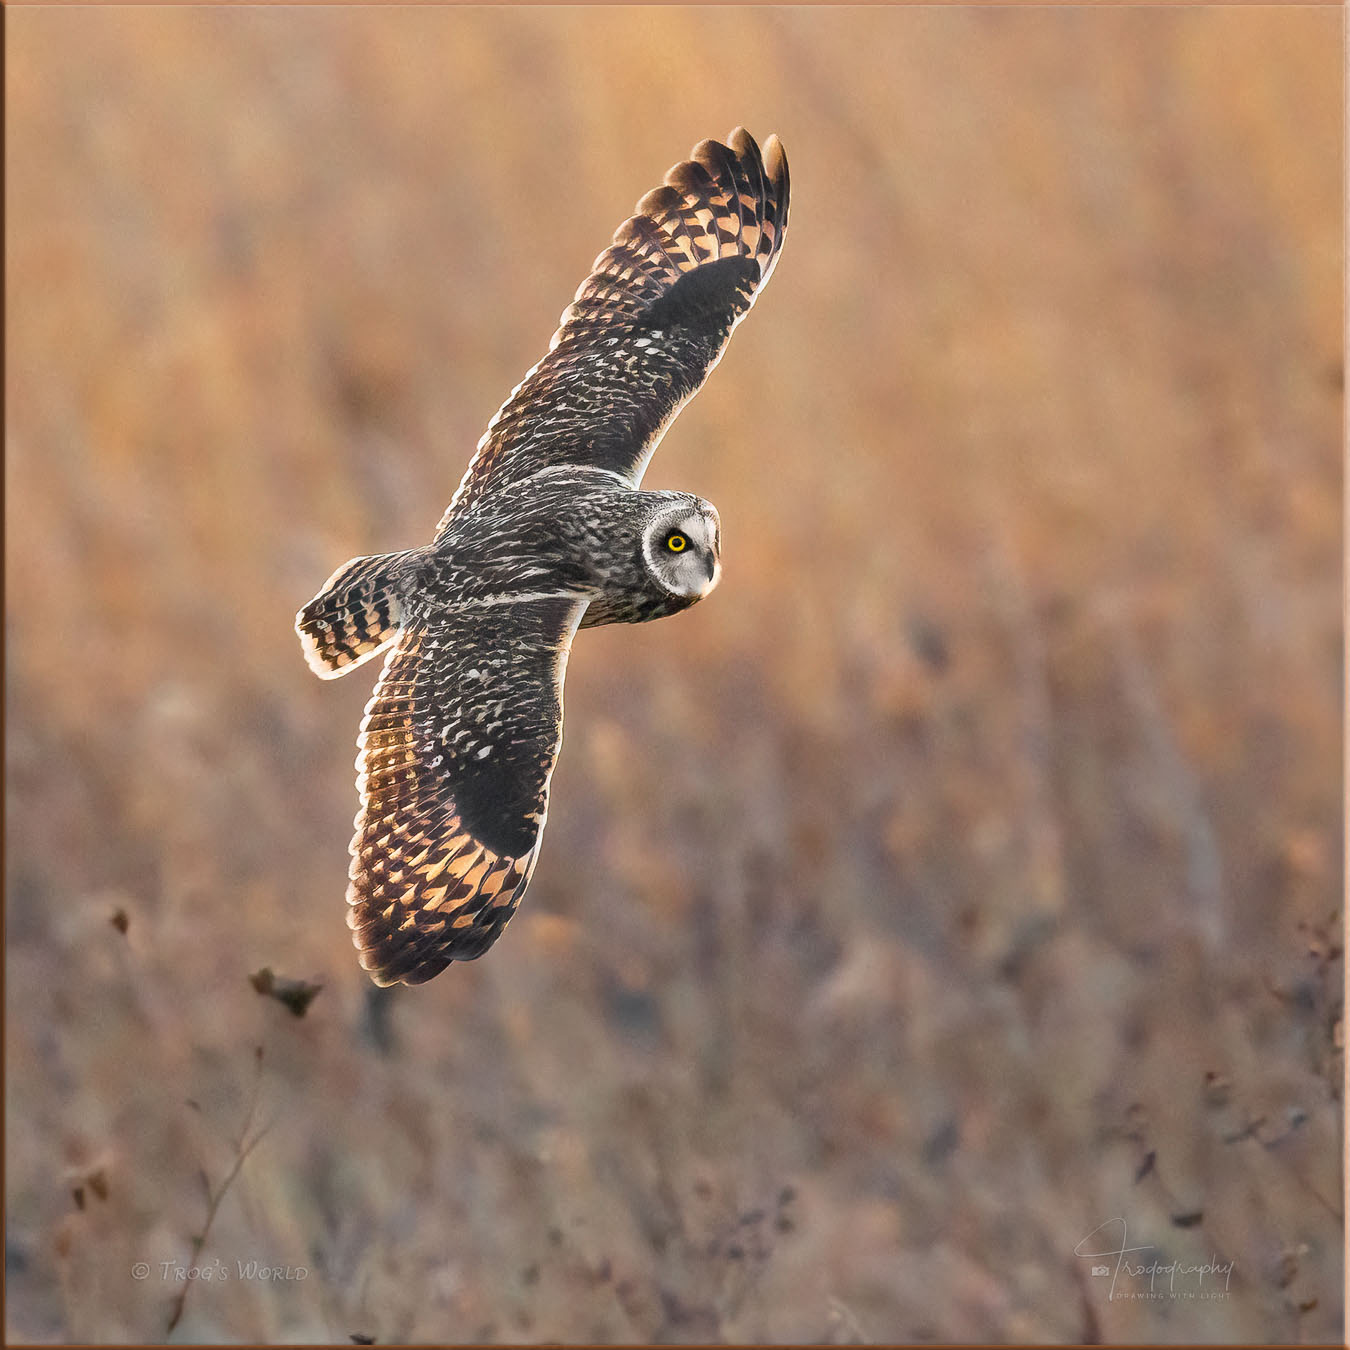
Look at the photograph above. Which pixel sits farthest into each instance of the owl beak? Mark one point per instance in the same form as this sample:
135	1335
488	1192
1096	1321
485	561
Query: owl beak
712	570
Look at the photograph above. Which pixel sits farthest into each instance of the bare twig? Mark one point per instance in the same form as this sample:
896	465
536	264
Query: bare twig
247	1141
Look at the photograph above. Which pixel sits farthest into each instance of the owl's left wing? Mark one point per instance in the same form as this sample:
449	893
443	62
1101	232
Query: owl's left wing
456	752
646	326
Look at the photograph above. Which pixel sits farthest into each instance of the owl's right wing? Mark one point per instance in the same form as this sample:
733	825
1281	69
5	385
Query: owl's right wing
646	326
456	752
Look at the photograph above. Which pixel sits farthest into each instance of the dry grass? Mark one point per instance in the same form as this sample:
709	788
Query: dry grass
959	877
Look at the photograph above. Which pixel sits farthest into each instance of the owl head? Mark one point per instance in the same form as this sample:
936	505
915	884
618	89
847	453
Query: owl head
682	546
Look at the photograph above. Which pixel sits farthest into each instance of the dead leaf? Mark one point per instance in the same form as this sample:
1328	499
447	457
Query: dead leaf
295	995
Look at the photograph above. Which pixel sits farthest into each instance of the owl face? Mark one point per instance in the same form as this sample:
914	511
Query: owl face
682	548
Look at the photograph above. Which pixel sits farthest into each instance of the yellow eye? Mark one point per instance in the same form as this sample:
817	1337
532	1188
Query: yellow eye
677	543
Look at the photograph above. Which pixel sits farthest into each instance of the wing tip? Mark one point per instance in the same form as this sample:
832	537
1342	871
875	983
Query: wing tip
741	143
775	159
701	170
776	166
406	940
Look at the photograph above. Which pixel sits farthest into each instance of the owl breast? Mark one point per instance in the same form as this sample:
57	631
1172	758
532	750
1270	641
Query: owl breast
637	603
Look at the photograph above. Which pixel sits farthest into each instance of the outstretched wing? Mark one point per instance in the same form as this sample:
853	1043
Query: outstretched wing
646	326
456	751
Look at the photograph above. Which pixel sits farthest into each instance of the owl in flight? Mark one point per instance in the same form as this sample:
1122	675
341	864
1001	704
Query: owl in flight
548	532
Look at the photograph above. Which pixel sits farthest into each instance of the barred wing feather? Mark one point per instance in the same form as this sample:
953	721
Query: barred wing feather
646	326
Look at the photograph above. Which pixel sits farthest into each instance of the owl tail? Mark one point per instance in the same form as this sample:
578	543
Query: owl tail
355	616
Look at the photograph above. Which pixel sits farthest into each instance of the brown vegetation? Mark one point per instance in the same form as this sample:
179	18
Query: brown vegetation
961	876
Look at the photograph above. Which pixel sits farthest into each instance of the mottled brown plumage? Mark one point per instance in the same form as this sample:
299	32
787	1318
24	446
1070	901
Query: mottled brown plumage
547	532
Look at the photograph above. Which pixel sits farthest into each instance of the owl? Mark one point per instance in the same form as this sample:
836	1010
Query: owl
547	532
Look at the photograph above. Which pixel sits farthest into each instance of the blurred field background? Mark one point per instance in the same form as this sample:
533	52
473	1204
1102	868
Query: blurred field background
964	874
